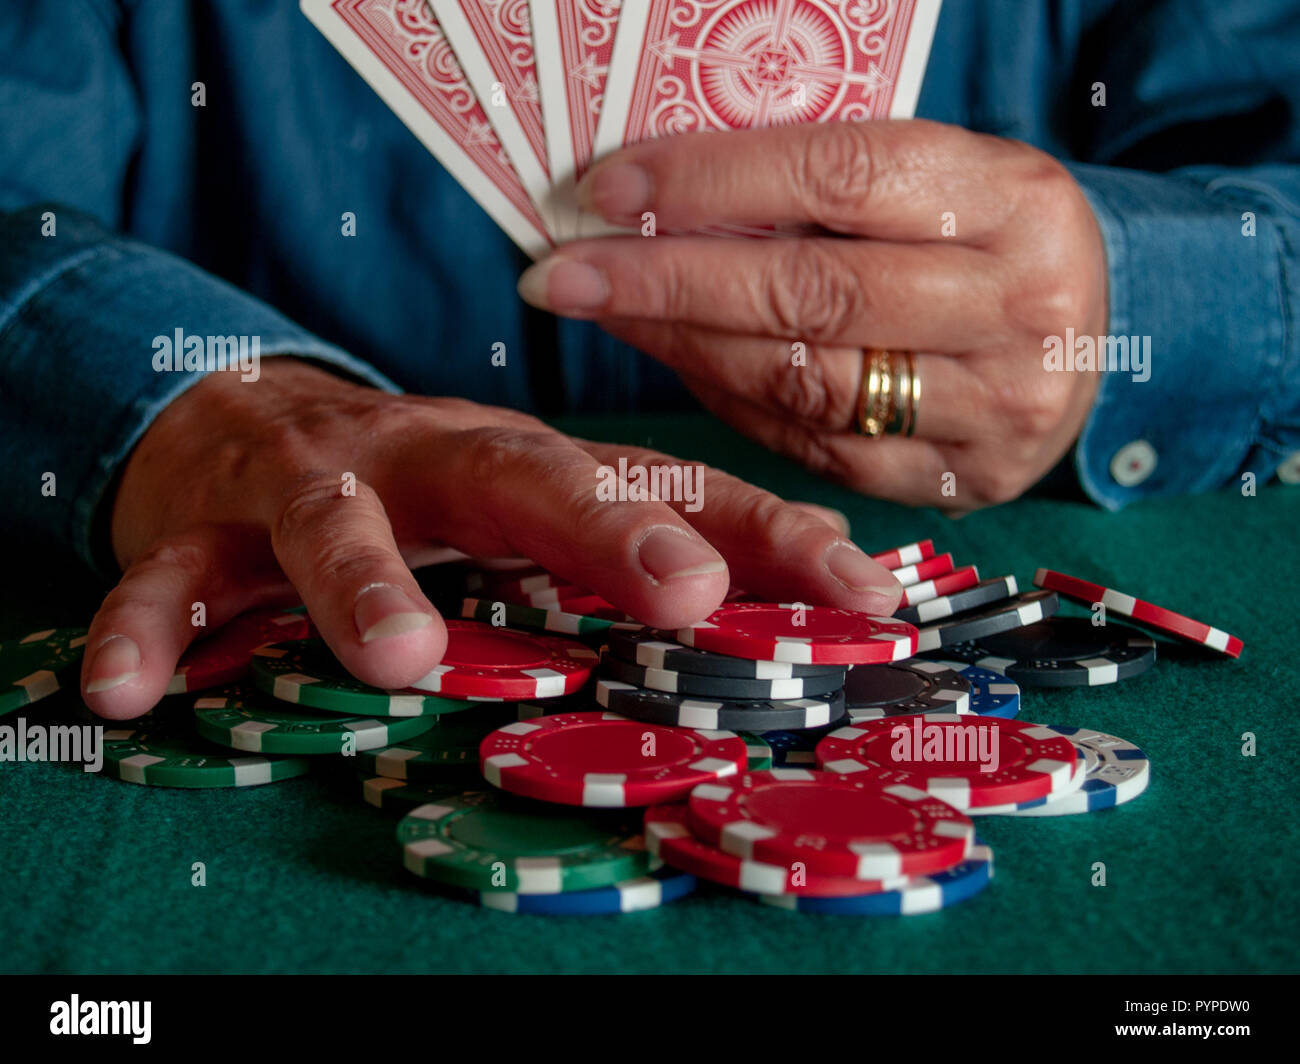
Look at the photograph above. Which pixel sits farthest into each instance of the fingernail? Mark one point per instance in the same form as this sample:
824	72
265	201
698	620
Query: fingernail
116	661
668	554
855	570
616	192
564	286
383	610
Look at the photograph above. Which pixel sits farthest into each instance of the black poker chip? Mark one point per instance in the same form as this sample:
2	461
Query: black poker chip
1061	652
970	598
730	687
1017	611
916	686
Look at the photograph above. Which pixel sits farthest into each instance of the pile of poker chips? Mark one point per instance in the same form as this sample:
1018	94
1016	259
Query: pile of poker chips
752	741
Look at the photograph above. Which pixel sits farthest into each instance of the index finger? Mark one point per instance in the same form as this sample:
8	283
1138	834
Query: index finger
893	180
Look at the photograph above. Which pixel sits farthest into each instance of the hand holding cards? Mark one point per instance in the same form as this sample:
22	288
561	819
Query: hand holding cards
515	99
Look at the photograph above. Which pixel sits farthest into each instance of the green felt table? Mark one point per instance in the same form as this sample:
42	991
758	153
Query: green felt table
1200	872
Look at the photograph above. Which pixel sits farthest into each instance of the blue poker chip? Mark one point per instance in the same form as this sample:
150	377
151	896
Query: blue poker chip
991	693
661	886
1116	772
794	749
923	894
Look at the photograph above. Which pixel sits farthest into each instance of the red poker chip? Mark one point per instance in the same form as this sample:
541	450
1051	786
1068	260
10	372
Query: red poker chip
483	661
906	555
836	825
926	569
606	760
1147	613
668	836
945	755
957	580
801	635
226	655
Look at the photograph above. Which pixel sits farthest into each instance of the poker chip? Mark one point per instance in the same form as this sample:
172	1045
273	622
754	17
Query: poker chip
159	754
304	672
991	694
489	840
486	662
573	600
655	650
657	888
923	894
794	749
1146	613
1115	772
401	795
819	635
668	836
526	580
906	555
510	614
758	754
606	760
836	825
925	590
729	687
683	711
247	720
916	686
447	750
928	569
1062	652
226	655
1015	612
950	757
1065	788
34	667
984	593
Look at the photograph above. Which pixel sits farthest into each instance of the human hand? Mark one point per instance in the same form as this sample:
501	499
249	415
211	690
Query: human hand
1026	262
236	497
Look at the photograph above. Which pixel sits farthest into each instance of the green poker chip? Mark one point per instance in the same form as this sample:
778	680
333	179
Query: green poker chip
159	754
495	841
449	749
305	672
35	666
757	751
402	795
247	720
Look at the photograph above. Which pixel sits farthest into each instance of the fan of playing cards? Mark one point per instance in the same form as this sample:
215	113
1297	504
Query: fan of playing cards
516	99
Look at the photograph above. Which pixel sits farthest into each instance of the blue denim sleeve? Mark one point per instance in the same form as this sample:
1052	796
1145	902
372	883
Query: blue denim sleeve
1204	267
81	317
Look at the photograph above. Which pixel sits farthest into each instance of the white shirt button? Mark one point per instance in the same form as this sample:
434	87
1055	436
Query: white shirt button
1133	463
1288	472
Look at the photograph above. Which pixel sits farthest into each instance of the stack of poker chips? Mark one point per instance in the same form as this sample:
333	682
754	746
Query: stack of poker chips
564	759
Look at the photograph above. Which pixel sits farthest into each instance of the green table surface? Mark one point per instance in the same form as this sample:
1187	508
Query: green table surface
1200	872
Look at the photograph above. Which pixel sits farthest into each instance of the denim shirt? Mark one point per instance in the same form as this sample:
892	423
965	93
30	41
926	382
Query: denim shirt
226	219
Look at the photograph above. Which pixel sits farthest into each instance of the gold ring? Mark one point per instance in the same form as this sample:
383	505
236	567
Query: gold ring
890	394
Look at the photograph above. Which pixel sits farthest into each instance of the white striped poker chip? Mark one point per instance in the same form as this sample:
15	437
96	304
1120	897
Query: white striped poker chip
947	584
908	554
1061	788
683	711
991	694
936	609
915	686
485	661
1015	612
923	570
729	687
661	886
1062	652
810	635
606	760
970	762
653	649
1115	771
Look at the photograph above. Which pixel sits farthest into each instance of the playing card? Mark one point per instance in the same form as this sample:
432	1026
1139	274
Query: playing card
494	45
398	47
573	41
681	65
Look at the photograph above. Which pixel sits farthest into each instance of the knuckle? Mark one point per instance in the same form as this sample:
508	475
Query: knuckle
310	500
998	482
804	391
835	172
181	556
812	292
